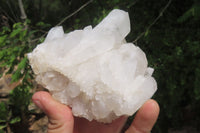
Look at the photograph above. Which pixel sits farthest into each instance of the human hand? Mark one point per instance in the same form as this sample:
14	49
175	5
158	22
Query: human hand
61	119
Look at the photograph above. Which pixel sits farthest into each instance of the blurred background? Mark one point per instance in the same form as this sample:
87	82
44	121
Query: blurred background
168	31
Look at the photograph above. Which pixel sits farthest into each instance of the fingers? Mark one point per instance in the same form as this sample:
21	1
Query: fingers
145	118
82	125
60	116
119	123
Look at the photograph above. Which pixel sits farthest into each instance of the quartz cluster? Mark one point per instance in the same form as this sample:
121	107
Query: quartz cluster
94	70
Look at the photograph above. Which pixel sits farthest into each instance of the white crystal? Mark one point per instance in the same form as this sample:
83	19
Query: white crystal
94	70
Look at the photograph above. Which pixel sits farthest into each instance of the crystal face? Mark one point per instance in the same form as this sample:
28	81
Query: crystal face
94	70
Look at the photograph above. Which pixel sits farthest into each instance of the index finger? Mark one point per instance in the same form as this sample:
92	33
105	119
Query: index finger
145	118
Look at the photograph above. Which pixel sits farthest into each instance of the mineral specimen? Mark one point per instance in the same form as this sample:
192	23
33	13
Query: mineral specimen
94	70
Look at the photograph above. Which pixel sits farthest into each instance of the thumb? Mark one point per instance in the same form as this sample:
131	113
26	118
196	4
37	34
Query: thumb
60	116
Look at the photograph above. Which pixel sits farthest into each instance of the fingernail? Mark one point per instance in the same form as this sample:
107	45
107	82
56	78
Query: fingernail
38	103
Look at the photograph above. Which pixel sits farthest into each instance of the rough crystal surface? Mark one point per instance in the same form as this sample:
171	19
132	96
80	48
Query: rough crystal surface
94	70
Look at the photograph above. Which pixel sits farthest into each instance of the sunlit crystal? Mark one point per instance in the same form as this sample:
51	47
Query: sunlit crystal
94	70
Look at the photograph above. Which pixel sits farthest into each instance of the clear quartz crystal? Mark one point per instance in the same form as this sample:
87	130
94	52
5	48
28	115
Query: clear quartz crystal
94	70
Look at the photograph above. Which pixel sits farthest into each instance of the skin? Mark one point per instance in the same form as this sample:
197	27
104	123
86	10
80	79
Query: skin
61	119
